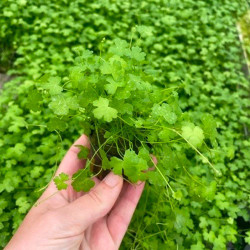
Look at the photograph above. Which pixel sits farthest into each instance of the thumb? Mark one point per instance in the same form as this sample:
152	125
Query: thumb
94	205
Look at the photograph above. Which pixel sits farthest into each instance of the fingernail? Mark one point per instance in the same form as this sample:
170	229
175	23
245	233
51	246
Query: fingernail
112	179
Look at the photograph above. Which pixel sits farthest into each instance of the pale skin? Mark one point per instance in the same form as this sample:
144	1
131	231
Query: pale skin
74	220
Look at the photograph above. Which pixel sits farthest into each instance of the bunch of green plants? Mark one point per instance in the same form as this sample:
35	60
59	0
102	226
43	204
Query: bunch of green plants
125	113
191	45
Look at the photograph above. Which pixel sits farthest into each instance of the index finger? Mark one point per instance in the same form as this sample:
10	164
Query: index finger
70	163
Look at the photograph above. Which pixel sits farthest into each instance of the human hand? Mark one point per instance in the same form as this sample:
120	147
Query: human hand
74	220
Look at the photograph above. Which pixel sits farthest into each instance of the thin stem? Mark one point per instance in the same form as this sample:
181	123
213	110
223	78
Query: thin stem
38	203
204	158
163	177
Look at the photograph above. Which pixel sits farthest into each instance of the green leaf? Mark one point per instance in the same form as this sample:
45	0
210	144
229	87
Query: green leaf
122	107
117	165
53	85
209	128
16	124
133	166
119	48
135	53
155	178
165	135
56	124
193	134
182	220
82	181
165	111
178	195
23	204
86	185
106	68
105	161
145	31
210	190
103	111
17	150
112	86
33	100
87	54
76	76
117	70
247	238
136	82
197	246
113	67
72	102
219	242
36	172
60	181
83	153
144	154
61	104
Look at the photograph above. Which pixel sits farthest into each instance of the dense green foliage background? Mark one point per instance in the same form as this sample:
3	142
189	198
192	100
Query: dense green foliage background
189	42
